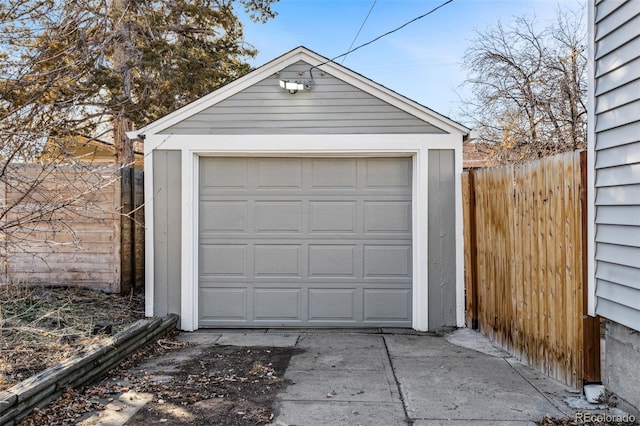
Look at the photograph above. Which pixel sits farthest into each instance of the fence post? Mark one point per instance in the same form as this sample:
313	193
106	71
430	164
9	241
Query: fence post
132	220
473	250
590	325
138	229
126	234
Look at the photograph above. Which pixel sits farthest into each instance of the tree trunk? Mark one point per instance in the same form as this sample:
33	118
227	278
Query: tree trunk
121	124
124	146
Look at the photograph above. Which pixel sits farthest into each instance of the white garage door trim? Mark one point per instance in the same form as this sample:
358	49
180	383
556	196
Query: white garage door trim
193	146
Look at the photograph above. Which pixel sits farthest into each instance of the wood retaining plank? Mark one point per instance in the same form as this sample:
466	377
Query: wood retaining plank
19	400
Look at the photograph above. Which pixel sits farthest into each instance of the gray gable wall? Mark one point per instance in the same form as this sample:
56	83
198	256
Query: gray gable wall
617	160
330	107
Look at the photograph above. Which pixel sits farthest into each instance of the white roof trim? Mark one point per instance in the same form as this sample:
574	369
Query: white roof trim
323	64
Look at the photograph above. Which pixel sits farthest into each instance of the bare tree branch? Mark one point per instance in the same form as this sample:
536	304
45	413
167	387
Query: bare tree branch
529	87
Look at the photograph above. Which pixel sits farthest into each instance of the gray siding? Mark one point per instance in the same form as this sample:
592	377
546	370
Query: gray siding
617	160
442	241
330	107
166	231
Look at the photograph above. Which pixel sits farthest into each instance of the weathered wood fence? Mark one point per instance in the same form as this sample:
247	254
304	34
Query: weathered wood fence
72	225
132	229
525	264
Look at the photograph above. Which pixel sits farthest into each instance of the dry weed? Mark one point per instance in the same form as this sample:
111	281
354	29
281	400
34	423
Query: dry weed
40	326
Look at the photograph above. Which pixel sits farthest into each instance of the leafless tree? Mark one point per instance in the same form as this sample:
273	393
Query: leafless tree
529	87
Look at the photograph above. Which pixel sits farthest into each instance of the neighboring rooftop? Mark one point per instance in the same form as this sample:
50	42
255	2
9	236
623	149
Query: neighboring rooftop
477	154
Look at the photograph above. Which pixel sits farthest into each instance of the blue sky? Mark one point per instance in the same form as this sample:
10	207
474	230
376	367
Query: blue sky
421	61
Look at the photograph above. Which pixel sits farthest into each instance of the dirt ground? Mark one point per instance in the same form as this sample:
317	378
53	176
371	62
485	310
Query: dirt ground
42	326
225	385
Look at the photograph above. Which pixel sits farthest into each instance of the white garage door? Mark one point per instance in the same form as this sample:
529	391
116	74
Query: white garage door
305	242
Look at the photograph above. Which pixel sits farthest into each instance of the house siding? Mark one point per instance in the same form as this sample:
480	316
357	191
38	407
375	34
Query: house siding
617	161
442	239
615	149
330	107
167	184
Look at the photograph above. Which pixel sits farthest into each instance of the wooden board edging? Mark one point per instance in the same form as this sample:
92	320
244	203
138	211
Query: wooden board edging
19	400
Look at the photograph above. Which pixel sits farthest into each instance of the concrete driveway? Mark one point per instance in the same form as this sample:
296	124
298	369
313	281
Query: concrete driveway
385	377
391	377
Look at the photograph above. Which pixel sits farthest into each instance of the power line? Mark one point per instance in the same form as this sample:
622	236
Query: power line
358	33
386	34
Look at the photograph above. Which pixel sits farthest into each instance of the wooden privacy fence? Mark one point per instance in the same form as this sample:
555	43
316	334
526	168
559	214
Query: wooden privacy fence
525	264
72	225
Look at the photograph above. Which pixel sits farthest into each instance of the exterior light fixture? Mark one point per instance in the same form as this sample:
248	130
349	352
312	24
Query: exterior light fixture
291	86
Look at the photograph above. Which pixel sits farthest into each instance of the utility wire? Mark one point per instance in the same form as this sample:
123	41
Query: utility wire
358	33
385	34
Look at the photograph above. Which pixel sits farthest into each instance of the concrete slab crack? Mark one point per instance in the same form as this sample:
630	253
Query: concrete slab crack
407	419
558	407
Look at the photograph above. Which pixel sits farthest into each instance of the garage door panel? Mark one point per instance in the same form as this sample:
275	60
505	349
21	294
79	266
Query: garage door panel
387	305
224	173
223	303
224	259
224	216
332	216
387	216
305	242
277	260
336	173
387	173
278	216
387	261
279	173
332	260
278	304
333	304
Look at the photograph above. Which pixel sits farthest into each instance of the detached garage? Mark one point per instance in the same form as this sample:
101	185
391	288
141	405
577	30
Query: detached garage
304	195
